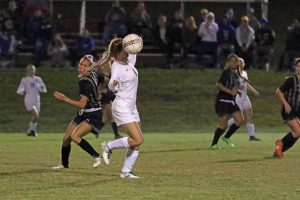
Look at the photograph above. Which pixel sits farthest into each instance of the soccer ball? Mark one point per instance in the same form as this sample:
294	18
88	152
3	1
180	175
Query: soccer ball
132	43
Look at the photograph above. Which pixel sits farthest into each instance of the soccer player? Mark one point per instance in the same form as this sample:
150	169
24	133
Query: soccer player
89	113
288	95
225	105
31	86
124	81
243	101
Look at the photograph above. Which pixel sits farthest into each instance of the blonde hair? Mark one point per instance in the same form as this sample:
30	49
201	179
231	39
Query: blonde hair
115	46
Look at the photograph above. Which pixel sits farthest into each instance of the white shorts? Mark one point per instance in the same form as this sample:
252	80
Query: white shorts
29	106
243	103
124	113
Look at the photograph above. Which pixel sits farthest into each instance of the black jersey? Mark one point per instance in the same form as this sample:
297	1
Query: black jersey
88	86
291	90
230	80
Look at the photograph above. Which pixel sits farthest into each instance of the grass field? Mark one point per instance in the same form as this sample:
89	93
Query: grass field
172	166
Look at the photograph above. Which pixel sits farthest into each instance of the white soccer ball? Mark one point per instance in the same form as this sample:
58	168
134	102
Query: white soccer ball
132	43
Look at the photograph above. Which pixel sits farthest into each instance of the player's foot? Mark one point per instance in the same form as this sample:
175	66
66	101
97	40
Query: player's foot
118	136
253	138
215	147
58	167
97	162
278	152
128	175
106	152
32	133
228	142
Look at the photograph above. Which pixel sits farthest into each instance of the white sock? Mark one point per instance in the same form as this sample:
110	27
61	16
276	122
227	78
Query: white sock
230	122
118	143
34	125
130	160
31	126
250	128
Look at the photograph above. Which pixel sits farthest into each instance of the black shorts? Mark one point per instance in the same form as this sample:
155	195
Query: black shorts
226	108
92	118
107	98
289	116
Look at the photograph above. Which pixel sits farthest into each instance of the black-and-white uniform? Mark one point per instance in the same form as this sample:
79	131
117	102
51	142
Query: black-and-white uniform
107	97
291	90
92	113
225	103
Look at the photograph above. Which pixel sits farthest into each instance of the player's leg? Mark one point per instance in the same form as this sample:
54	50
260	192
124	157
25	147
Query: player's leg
81	130
219	131
238	118
248	117
289	139
66	147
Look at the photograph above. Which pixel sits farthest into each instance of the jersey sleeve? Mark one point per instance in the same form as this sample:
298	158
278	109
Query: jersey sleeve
115	76
132	59
288	84
21	88
85	88
42	86
223	78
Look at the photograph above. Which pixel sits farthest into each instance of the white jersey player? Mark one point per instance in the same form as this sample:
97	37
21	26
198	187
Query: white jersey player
31	86
244	103
124	81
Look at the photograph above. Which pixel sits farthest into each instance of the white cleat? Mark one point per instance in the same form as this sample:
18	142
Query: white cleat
58	167
97	162
106	152
128	175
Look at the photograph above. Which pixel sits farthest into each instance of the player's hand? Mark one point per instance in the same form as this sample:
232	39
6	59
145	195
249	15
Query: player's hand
234	92
115	83
59	96
287	108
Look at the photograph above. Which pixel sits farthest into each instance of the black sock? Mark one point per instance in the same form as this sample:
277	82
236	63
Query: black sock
65	152
288	141
231	130
115	128
217	136
88	148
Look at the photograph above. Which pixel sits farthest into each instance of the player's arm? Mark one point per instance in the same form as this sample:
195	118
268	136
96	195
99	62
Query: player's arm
42	87
252	90
114	80
79	104
280	96
21	88
232	92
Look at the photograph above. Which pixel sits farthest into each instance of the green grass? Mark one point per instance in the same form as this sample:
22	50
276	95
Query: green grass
168	100
172	166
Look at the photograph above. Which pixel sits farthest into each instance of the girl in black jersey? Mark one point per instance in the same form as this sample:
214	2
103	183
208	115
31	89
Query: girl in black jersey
225	105
89	113
289	96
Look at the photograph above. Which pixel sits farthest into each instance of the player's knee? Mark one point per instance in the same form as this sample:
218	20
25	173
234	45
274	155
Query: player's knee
296	131
139	140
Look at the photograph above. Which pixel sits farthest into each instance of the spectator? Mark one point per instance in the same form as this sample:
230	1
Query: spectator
140	21
292	49
265	37
253	21
33	26
15	14
230	15
208	44
160	33
7	49
115	22
190	36
226	40
245	41
203	13
57	51
84	44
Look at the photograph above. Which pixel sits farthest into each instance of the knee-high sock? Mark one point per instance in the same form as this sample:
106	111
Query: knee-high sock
130	159
217	136
288	141
115	128
65	152
230	122
88	148
250	129
118	143
231	130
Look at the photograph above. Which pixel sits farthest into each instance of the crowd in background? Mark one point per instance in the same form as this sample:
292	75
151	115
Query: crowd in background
178	37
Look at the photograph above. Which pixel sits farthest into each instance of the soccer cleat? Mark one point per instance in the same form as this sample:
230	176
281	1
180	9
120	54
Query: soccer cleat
106	152
128	175
253	138
228	142
278	152
215	147
97	162
32	133
58	167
